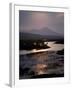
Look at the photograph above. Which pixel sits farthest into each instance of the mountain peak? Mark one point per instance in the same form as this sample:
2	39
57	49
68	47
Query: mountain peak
44	31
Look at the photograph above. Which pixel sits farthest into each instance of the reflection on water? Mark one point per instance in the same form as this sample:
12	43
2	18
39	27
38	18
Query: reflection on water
40	63
55	47
40	69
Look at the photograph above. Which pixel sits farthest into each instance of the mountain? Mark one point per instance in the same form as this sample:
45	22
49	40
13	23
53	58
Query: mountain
44	31
31	36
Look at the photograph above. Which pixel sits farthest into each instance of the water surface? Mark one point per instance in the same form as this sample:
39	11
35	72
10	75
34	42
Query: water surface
42	62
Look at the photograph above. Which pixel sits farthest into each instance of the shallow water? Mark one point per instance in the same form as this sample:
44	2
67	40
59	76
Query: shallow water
45	61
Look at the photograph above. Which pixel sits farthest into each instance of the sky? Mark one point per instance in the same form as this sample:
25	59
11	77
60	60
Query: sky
36	20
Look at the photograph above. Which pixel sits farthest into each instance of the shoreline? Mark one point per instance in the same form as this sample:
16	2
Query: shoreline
53	47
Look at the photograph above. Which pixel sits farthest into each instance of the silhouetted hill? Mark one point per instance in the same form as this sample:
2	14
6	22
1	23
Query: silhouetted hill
31	36
45	31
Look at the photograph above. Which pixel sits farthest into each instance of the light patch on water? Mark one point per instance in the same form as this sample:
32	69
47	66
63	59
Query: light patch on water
40	69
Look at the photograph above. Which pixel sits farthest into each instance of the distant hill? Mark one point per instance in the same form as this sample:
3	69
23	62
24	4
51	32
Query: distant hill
31	36
45	31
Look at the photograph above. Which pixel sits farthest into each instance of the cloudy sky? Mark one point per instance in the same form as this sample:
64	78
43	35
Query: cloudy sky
30	20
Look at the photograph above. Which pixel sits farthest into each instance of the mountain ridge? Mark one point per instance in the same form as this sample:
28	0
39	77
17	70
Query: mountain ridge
43	31
30	36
